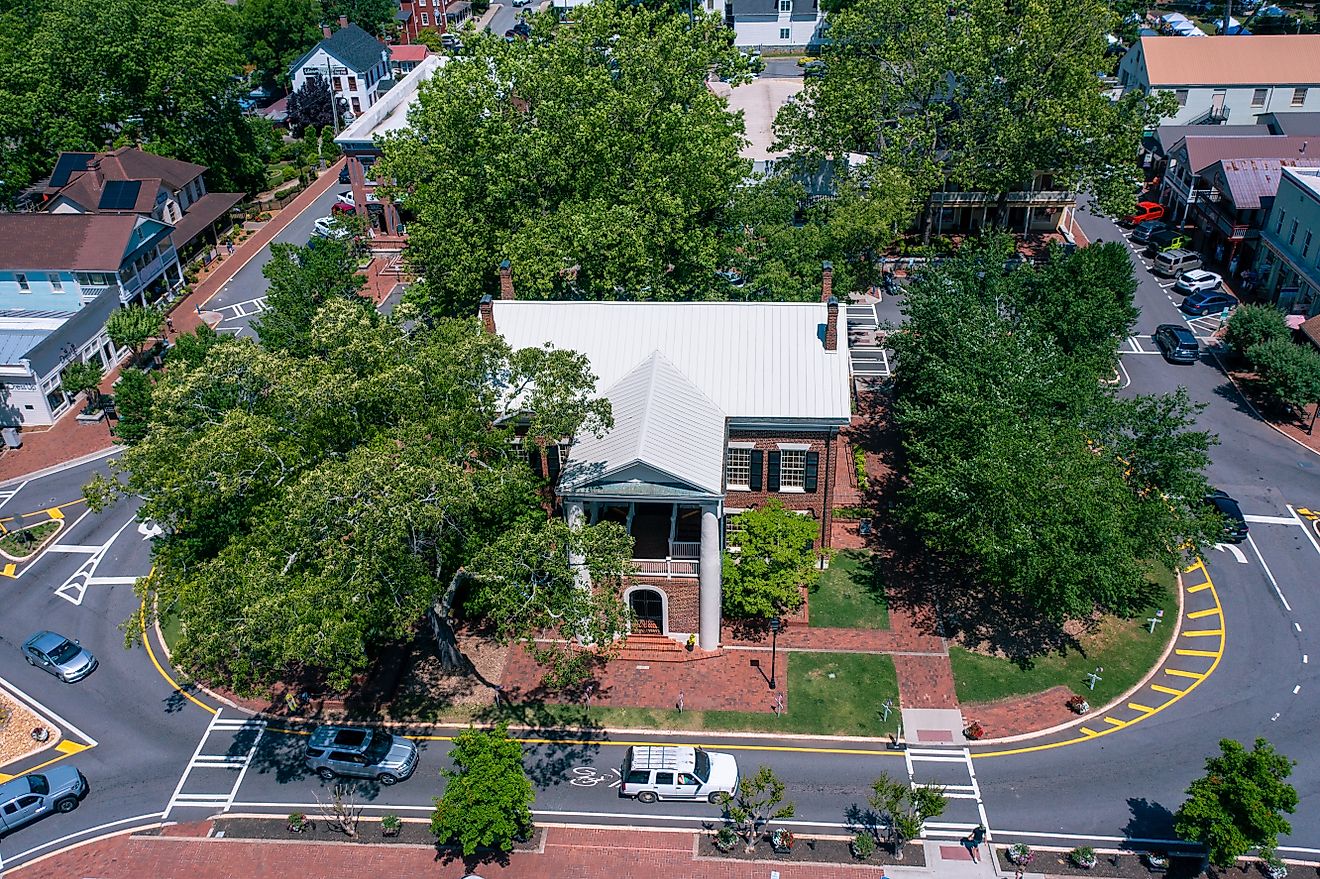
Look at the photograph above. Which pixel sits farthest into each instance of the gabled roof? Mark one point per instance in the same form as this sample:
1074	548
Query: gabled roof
350	45
1167	136
756	361
1250	180
411	52
662	422
70	242
1245	59
1202	152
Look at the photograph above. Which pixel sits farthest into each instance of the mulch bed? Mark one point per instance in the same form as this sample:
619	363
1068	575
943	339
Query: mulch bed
1122	866
813	851
275	827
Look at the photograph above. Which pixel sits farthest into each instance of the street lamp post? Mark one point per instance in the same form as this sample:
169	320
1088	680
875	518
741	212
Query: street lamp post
774	648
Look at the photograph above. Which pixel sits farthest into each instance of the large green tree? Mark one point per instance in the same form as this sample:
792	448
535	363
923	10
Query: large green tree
314	505
1239	803
276	33
376	17
302	279
771	558
593	156
1024	469
487	803
83	75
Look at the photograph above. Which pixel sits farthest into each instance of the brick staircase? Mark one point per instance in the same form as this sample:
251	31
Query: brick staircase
651	647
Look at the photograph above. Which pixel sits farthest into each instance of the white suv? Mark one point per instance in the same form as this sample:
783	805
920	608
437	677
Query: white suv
677	772
1197	280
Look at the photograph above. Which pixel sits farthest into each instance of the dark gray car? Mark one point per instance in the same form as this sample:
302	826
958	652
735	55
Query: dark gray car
29	797
67	660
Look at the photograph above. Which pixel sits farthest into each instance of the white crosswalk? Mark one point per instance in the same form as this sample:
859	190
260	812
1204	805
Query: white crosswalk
970	791
244	309
230	731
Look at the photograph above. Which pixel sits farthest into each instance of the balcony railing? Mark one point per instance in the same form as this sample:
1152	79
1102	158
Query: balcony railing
681	562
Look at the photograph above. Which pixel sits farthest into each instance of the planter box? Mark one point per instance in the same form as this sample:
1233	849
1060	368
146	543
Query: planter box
93	418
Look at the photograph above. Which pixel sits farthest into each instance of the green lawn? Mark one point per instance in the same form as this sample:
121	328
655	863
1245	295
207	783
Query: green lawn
850	595
1124	648
846	704
22	543
169	629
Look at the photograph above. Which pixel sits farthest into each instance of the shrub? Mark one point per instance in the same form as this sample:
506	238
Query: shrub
726	839
1252	324
863	845
1083	856
1273	866
1288	373
859	463
1020	854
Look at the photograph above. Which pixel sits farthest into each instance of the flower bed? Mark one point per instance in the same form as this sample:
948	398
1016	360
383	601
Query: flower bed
810	850
1110	866
16	726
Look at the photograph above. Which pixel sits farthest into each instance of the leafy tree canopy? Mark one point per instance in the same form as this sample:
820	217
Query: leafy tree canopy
276	33
1024	467
376	17
82	75
593	156
488	798
329	497
1289	373
1239	803
302	279
759	800
311	106
131	327
1252	324
774	559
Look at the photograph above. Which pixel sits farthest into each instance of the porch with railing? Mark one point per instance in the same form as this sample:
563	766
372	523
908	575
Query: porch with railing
666	536
683	560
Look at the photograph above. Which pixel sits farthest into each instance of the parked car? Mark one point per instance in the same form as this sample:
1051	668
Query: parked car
1146	210
341	207
522	29
1166	239
1235	524
329	227
1177	343
1172	263
519	3
1208	302
1142	231
360	752
66	659
28	797
1197	279
677	772
343	174
814	67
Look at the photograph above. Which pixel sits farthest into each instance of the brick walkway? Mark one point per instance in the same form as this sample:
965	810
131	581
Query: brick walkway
925	681
1028	714
578	853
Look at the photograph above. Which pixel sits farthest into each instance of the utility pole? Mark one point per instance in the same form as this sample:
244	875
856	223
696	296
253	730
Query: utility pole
334	98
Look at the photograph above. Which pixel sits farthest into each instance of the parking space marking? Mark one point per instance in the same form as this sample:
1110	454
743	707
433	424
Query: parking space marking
1201	614
1269	573
1168	691
1271	520
1306	530
1137	706
1179	673
1198	587
1203	633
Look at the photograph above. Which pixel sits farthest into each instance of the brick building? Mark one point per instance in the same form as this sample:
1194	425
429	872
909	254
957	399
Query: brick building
718	406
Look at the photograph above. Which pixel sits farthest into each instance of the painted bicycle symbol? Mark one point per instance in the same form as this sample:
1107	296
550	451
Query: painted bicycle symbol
590	776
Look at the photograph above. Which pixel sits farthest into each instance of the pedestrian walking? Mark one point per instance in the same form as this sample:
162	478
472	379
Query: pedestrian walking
978	837
229	247
169	324
972	848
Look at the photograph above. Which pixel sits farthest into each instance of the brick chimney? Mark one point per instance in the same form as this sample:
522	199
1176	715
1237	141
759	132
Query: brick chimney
506	280
826	281
343	21
832	324
487	315
94	170
325	31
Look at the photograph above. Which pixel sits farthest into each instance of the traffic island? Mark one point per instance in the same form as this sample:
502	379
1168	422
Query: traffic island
22	733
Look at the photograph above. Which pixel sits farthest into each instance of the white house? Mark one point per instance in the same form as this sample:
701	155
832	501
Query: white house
1227	79
758	24
356	64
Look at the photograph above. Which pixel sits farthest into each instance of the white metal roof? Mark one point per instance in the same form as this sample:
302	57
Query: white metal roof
661	420
755	361
390	113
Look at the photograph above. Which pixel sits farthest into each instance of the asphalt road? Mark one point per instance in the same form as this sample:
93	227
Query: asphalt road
243	298
158	754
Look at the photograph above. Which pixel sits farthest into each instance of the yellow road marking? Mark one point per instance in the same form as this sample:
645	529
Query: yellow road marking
54	513
1199	587
8	570
1168	690
146	641
1087	731
1137	706
1213	653
1197	614
68	747
1179	673
1115	722
1203	633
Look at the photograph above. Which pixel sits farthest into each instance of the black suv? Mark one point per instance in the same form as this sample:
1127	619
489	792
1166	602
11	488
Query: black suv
1235	524
1177	343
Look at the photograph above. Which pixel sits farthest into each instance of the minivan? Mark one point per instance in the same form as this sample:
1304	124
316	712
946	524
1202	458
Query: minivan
360	752
1175	262
28	797
677	772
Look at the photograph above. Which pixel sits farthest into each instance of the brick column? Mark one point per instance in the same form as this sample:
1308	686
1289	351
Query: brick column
711	573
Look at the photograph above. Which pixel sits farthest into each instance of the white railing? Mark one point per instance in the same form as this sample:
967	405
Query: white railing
685	549
670	567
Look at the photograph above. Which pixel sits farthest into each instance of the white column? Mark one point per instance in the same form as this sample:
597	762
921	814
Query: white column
575	514
710	574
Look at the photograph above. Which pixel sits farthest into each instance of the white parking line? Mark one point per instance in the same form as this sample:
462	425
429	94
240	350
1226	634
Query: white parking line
1274	520
1270	574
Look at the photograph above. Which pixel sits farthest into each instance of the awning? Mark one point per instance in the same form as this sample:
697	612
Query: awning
202	213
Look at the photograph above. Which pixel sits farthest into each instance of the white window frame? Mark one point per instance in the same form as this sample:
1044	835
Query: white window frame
1299	97
24	286
56	282
785	6
729	514
728	467
1259	98
426	19
794	449
785	33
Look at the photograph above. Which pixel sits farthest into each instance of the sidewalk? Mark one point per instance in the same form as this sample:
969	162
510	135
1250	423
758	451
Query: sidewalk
580	853
67	440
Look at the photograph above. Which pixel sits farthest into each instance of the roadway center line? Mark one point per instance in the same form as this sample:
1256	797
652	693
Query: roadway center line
1306	530
1268	573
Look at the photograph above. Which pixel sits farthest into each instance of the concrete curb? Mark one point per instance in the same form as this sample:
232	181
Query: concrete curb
67	465
1214	352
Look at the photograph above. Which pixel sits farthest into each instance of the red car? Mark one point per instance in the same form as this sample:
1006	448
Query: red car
340	208
1146	210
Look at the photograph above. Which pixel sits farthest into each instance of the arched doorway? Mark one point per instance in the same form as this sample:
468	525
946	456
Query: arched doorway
648	606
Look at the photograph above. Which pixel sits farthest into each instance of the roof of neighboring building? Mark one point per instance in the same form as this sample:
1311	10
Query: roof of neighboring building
1291	123
754	360
15	344
47	354
1250	180
1308	180
1252	59
1311	330
663	422
125	163
759	100
409	53
1202	152
1168	136
351	45
390	113
74	242
202	213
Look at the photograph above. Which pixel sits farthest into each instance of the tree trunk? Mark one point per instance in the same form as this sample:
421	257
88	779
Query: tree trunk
1001	211
442	628
927	218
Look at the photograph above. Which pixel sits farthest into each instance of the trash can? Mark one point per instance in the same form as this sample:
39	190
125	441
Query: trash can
13	439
